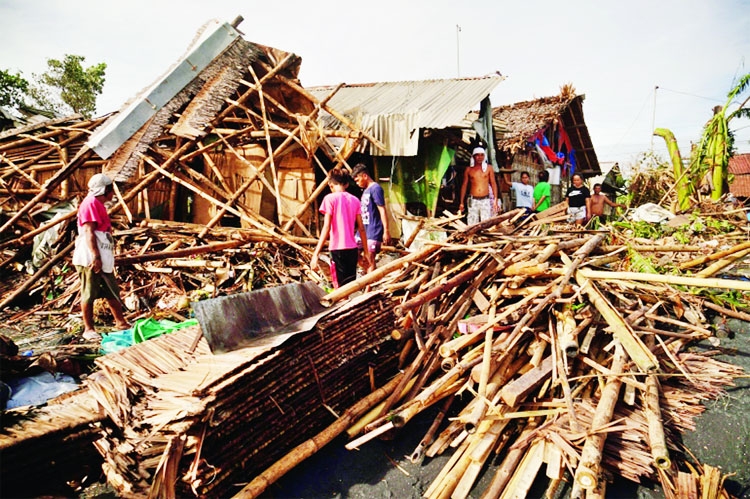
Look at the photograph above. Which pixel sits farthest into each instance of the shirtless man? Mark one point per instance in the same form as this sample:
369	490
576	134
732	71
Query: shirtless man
598	200
482	203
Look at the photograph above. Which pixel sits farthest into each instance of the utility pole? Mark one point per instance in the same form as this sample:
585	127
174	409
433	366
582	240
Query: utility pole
653	120
458	52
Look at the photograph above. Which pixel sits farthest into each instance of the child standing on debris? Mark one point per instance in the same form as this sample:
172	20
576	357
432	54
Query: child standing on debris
374	214
342	218
542	192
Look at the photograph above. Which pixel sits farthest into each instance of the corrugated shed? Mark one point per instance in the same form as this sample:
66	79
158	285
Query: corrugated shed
394	112
739	166
524	119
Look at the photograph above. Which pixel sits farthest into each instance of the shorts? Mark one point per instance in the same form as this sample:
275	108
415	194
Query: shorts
373	246
479	210
344	268
97	285
576	213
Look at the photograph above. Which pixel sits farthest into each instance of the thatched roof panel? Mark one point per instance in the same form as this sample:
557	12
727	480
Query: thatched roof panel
523	119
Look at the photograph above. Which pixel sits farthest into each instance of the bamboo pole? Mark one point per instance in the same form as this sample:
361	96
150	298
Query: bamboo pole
269	148
715	256
588	472
726	311
476	457
414	233
641	355
525	472
306	449
510	463
436	291
667	279
418	454
180	253
122	203
656	439
566	331
723	263
359	284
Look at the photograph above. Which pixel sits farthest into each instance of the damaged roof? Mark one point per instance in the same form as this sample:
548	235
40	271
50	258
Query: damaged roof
212	40
523	119
393	111
739	166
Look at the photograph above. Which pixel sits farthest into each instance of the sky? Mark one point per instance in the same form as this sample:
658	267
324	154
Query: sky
615	53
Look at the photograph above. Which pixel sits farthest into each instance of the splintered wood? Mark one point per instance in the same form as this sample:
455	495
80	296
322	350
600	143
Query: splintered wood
541	375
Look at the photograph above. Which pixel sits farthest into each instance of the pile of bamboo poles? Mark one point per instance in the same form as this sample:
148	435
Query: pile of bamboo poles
583	370
189	422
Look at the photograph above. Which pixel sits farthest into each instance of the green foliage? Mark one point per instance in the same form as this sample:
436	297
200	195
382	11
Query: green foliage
67	86
644	230
729	298
13	88
717	142
640	263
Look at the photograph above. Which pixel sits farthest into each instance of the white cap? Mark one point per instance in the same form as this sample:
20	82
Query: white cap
479	150
98	184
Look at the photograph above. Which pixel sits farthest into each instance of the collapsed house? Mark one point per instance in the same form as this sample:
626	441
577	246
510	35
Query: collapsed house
191	146
229	137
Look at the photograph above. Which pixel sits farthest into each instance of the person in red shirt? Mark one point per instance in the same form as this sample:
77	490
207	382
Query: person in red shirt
94	256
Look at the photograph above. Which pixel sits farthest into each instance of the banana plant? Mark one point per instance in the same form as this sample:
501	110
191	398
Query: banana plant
683	186
715	148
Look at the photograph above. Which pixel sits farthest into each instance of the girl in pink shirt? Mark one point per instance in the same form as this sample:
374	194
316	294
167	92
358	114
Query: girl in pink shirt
342	217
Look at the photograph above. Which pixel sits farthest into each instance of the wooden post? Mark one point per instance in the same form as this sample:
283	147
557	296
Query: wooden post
641	355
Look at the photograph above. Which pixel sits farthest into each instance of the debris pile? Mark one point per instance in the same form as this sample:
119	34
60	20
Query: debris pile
185	419
544	347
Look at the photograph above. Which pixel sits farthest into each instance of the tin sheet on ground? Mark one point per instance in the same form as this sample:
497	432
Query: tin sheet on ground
265	317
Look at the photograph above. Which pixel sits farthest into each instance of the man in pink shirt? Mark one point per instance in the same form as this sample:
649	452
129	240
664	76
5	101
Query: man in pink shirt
342	216
94	256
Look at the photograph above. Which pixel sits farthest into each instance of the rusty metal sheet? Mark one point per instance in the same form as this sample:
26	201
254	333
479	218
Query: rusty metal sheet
265	317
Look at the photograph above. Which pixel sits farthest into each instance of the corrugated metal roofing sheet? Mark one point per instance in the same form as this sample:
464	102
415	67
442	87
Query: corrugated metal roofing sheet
393	112
212	41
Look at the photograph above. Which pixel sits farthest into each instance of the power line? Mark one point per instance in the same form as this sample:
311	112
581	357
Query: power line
692	95
636	119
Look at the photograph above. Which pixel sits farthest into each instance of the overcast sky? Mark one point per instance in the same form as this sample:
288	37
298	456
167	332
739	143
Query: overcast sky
613	52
